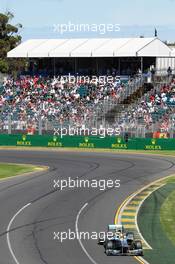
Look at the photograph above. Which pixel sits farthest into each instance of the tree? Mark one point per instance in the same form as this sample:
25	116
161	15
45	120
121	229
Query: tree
9	39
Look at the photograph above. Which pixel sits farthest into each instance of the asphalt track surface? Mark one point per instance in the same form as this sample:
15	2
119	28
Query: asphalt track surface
31	232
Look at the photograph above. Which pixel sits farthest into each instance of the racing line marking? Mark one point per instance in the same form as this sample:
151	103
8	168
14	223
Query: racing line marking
8	232
77	232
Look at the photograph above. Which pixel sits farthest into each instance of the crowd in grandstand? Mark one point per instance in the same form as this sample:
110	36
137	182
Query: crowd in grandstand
29	98
153	107
33	98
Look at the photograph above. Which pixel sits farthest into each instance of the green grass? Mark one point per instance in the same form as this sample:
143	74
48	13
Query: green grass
170	179
150	225
8	170
163	152
167	216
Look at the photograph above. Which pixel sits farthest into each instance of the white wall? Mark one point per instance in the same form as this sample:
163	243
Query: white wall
162	64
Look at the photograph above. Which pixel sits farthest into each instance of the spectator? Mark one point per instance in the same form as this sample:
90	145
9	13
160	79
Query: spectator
169	71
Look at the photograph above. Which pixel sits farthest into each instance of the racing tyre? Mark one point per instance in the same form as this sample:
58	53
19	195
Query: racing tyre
130	238
107	253
130	235
138	244
109	245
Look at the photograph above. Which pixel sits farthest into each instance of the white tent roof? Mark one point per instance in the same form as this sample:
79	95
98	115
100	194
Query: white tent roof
173	52
68	47
120	47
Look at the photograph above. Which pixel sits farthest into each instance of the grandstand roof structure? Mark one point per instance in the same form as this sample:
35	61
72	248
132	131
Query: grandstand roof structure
75	48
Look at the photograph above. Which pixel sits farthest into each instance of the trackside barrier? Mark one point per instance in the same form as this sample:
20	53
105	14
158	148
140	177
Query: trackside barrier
87	142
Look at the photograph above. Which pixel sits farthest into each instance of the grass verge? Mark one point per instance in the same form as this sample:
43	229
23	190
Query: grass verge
167	216
9	170
150	225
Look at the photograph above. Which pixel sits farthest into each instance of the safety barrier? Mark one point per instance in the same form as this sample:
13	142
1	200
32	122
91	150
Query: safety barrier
87	142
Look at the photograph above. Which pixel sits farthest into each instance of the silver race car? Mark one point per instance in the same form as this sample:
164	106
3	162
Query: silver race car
119	242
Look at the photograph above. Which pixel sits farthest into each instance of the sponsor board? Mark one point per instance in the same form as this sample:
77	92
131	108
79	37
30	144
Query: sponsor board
119	144
55	142
86	144
23	141
153	145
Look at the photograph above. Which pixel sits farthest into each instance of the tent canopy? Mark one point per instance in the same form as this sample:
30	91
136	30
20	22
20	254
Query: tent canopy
117	47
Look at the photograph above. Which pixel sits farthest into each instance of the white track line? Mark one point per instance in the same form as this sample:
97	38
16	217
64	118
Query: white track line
77	233
8	232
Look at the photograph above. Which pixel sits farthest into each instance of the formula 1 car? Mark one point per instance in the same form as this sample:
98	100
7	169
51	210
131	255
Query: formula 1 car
119	242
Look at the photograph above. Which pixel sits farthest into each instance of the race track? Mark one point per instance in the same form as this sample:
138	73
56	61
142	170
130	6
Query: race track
52	210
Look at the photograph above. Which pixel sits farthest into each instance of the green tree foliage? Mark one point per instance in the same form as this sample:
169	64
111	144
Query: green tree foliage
9	39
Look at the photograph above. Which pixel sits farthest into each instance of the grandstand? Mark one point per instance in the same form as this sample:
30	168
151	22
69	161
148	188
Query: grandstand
139	98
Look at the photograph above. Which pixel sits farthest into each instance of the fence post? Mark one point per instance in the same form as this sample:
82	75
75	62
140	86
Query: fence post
40	126
172	129
9	125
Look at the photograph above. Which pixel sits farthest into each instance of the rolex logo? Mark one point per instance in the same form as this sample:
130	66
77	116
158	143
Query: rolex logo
119	140
54	138
86	139
24	137
153	141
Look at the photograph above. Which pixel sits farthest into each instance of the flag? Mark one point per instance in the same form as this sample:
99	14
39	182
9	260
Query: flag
155	32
